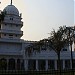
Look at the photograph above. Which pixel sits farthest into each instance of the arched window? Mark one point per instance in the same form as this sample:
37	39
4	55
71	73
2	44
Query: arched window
18	64
3	64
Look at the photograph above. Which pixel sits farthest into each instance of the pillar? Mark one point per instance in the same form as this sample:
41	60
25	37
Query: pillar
70	63
15	64
55	64
20	64
37	65
63	64
26	65
7	63
46	66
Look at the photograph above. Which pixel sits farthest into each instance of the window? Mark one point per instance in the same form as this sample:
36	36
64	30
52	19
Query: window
11	18
10	35
4	34
64	49
16	25
16	35
5	24
43	48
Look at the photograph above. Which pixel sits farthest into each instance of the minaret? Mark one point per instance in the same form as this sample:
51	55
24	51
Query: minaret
12	24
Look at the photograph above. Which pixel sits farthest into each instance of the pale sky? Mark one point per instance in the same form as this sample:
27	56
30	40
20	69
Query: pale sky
41	16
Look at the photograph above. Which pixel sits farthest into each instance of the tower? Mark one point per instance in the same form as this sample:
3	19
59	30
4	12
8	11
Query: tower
10	28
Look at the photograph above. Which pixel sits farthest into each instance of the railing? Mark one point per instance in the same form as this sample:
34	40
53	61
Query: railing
55	72
11	53
11	40
11	31
13	22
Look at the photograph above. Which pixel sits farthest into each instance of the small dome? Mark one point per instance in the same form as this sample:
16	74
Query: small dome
11	9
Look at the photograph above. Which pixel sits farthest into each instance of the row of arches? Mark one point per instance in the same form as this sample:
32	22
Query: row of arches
11	64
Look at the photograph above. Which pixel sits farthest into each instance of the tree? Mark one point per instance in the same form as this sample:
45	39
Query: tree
71	39
58	40
2	15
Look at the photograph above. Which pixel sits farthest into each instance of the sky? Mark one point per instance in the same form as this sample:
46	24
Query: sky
40	17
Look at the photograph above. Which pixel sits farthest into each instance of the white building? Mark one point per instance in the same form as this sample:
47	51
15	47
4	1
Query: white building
13	49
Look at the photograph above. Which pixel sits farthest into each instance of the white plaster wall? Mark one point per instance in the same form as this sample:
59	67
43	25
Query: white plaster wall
13	37
10	47
50	54
16	19
11	27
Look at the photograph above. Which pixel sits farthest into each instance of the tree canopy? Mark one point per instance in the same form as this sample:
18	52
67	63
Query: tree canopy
2	15
58	39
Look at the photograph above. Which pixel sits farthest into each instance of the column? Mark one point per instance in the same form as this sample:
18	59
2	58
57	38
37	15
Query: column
26	65
37	65
20	64
63	64
15	64
70	64
46	66
7	63
55	64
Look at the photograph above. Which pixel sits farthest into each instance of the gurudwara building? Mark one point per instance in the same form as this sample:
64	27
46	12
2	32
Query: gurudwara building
13	49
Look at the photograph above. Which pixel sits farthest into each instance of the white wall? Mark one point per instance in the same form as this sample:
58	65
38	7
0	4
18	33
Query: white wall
10	47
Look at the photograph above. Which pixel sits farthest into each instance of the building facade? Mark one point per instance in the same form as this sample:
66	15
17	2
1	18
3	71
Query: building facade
13	54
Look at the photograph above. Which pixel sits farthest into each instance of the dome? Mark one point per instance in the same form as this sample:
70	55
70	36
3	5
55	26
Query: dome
11	9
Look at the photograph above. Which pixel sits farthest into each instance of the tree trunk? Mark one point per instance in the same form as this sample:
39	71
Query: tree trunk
59	63
71	58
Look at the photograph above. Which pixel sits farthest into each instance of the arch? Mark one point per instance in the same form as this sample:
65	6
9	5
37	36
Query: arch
41	64
11	64
18	64
3	64
31	64
22	64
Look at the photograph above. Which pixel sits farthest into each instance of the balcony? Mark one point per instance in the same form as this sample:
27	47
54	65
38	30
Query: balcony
11	53
11	40
11	31
13	22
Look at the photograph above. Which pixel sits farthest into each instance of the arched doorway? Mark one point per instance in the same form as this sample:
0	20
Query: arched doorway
41	64
31	64
3	64
18	64
11	64
22	65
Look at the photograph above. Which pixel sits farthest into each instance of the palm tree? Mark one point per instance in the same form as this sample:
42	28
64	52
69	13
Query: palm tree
58	40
